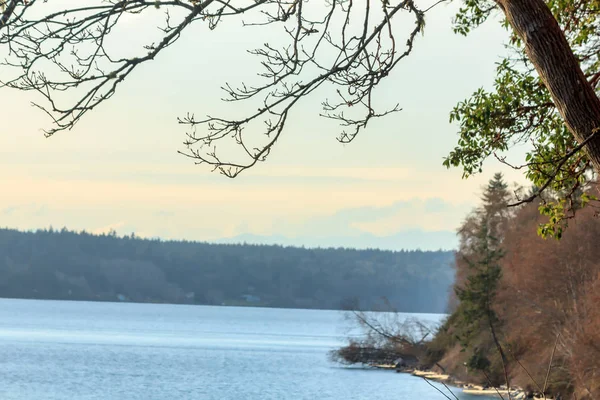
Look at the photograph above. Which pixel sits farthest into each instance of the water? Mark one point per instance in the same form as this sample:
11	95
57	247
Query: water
51	350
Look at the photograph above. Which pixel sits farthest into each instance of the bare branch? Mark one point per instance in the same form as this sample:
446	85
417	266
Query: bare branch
550	365
361	61
438	389
557	170
348	47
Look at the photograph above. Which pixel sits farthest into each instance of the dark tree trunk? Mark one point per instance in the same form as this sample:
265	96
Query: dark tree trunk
552	57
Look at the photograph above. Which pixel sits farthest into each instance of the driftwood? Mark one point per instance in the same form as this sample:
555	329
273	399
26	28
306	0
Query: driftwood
357	353
387	338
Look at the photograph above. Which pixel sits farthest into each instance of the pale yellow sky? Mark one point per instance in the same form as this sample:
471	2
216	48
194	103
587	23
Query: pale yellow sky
119	168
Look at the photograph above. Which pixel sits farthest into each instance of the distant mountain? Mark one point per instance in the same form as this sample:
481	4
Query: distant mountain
49	264
405	240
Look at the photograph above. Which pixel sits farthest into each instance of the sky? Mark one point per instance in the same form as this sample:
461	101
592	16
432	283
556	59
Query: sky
119	168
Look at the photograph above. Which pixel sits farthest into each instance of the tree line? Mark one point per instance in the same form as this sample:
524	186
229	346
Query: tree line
61	264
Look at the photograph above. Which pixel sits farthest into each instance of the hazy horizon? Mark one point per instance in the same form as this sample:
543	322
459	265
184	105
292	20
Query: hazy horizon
401	241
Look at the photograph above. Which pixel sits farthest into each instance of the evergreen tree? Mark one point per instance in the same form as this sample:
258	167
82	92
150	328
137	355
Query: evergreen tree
494	211
479	263
476	295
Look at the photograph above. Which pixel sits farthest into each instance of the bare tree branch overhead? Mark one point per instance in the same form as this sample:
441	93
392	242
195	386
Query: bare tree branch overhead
74	55
64	55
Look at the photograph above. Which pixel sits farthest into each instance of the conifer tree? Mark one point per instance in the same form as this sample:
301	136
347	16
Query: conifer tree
479	263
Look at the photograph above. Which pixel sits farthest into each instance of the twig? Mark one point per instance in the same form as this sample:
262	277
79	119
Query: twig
438	389
550	364
552	177
526	371
502	355
451	392
434	5
490	383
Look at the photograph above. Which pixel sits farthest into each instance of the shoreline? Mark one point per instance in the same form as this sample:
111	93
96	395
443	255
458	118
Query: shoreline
467	388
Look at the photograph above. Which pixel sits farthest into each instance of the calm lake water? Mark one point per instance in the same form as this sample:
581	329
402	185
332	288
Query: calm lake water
52	350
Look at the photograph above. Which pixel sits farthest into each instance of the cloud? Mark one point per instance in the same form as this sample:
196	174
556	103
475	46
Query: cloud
436	204
426	215
31	209
363	214
404	240
427	224
40	211
9	210
164	213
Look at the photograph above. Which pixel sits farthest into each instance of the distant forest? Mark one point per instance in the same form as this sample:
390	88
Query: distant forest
51	264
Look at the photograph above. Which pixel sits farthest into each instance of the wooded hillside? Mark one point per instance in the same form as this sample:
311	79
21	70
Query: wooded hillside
50	264
525	312
527	308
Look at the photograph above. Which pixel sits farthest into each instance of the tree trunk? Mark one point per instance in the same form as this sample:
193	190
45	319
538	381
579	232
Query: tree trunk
552	57
502	354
